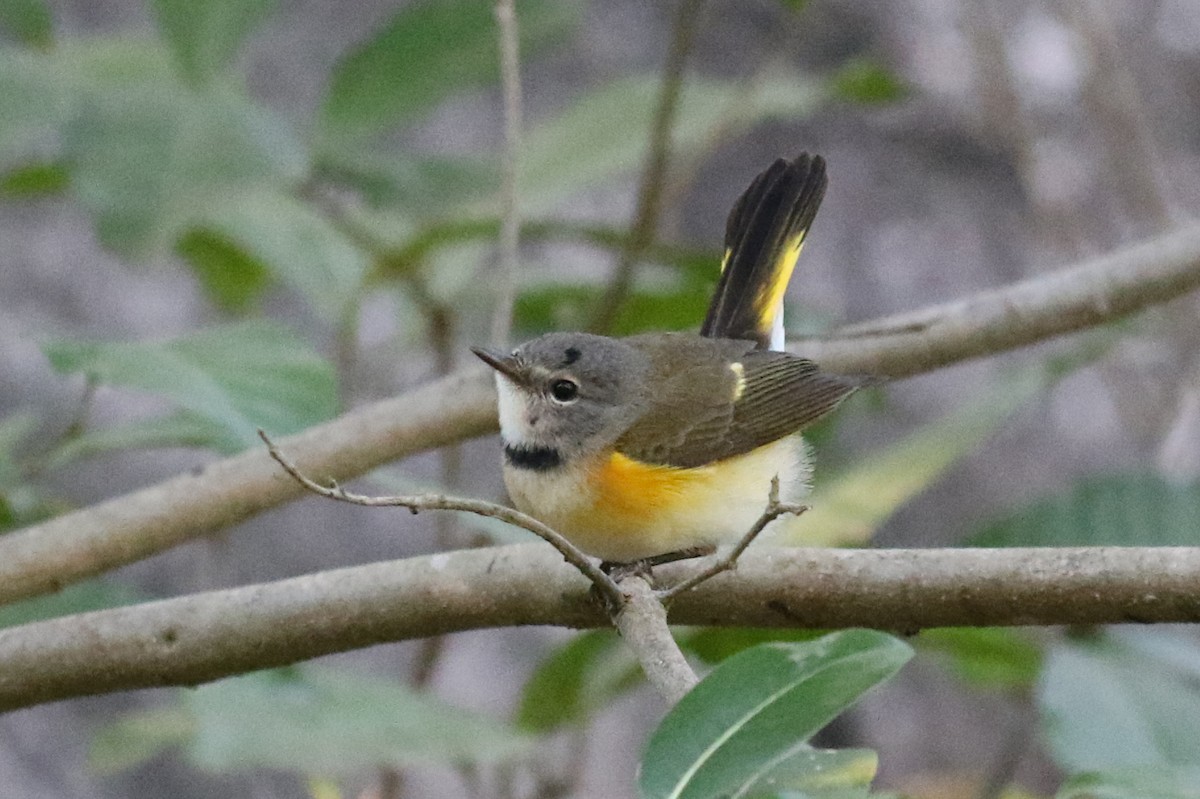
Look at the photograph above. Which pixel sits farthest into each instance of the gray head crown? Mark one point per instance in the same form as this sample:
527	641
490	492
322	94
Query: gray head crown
574	393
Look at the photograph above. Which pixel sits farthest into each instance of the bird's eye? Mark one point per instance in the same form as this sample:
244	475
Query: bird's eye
564	391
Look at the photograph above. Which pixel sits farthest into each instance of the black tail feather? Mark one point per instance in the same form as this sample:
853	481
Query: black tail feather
766	222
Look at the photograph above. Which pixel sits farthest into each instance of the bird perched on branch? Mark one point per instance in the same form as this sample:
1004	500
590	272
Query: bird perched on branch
664	445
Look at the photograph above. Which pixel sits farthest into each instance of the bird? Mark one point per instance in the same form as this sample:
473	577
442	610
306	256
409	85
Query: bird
664	445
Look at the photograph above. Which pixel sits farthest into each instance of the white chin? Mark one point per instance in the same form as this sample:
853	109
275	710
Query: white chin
514	428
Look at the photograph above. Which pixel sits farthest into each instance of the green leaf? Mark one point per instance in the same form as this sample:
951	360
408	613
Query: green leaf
77	598
818	774
232	278
987	656
862	80
662	308
558	306
238	377
1115	510
21	502
1118	702
37	179
207	35
574	681
34	101
320	721
832	793
139	736
426	52
180	429
422	185
1158	782
603	135
296	244
14	429
29	21
599	136
715	644
757	709
148	160
848	508
104	64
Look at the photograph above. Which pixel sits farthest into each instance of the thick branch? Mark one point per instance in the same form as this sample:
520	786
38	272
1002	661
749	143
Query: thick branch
71	547
47	556
1094	292
202	637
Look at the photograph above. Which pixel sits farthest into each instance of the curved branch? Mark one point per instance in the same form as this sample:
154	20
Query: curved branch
47	556
201	637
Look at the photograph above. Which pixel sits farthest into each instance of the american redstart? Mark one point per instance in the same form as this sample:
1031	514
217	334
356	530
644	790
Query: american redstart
638	448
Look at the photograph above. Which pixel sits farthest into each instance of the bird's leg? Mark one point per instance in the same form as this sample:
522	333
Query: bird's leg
619	571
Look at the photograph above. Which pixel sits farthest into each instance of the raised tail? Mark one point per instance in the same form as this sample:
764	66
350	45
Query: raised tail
763	237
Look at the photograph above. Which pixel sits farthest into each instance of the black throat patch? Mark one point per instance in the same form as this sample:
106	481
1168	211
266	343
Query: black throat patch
534	458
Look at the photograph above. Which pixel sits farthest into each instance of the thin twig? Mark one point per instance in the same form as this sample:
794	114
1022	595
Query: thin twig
346	352
440	327
1000	773
1114	99
638	615
773	511
510	228
391	783
650	189
419	502
37	464
440	330
776	55
1003	119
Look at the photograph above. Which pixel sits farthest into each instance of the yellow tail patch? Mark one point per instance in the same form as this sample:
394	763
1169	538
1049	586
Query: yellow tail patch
769	302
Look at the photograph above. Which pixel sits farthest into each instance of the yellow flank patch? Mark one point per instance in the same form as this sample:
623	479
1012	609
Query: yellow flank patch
635	491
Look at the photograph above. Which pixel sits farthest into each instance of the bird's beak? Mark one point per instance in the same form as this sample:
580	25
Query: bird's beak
503	363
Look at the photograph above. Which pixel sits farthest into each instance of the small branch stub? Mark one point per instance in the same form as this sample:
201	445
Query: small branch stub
642	623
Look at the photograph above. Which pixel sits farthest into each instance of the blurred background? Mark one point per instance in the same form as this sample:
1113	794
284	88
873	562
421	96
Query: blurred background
308	192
